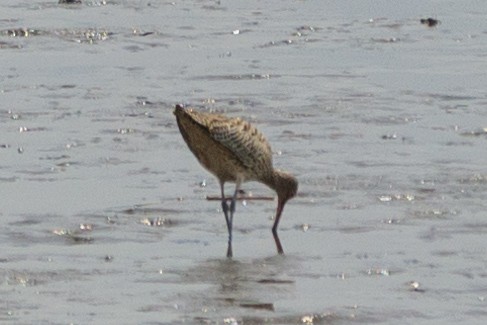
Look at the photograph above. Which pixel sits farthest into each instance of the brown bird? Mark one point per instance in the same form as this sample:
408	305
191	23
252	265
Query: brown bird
234	151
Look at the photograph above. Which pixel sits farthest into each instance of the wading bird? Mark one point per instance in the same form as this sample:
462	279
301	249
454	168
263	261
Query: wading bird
234	151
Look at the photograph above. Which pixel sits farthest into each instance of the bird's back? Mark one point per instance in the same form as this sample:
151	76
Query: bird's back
227	147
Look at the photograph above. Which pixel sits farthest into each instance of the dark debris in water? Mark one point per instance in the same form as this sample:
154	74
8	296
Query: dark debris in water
258	306
68	86
138	209
79	2
275	281
430	22
69	1
145	34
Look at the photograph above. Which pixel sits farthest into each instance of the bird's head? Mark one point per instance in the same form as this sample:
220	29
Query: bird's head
286	187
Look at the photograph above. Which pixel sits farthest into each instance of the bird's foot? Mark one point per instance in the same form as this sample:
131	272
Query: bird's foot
229	250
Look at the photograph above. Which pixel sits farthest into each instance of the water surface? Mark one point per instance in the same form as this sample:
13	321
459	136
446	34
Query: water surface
381	118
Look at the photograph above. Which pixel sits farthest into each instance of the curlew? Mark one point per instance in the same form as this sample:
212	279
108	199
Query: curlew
234	151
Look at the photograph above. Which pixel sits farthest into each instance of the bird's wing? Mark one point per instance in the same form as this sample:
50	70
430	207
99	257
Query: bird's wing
246	142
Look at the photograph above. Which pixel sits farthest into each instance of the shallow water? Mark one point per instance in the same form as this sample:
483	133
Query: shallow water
381	118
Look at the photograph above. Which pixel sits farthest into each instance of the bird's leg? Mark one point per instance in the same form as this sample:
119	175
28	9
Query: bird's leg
234	201
229	217
224	205
229	221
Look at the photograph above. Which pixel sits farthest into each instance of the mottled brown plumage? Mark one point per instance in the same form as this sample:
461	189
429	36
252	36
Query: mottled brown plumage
234	151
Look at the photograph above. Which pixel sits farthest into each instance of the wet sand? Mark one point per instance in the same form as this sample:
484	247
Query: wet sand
381	118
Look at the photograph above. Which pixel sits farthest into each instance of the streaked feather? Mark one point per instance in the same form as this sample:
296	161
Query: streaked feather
242	139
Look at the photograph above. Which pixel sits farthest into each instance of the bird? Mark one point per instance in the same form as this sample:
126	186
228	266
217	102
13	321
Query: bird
234	151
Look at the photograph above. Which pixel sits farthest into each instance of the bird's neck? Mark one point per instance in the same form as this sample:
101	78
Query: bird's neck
274	181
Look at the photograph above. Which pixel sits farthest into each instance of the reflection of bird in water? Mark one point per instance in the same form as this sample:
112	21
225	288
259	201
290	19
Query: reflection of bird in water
234	151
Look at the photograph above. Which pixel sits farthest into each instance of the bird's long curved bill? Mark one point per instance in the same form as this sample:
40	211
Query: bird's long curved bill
280	208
